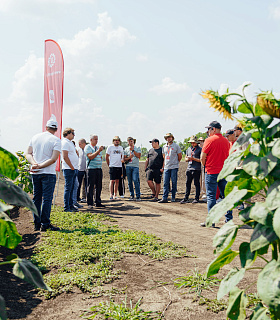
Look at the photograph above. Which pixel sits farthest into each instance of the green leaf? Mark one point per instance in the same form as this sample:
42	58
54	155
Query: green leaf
259	314
251	164
260	213
268	286
276	222
230	164
8	164
9	236
262	121
224	258
243	108
5	207
237	174
252	185
258	111
255	149
243	138
237	303
262	236
226	204
276	149
225	236
230	281
14	195
273	131
3	313
273	200
25	270
247	257
276	171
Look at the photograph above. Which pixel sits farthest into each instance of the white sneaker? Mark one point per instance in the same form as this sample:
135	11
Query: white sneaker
121	196
90	207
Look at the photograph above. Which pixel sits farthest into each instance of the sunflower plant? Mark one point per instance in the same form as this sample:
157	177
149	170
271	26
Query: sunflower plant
252	171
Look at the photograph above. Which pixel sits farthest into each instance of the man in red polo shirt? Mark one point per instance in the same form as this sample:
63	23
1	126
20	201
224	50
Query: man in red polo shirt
214	153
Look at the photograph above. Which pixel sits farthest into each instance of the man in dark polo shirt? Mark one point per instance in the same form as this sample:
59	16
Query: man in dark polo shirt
194	170
154	168
214	153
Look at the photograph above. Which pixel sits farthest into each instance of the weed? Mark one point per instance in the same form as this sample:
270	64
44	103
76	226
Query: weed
113	311
83	253
213	305
196	282
253	300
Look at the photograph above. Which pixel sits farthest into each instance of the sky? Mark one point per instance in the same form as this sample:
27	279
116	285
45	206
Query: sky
133	67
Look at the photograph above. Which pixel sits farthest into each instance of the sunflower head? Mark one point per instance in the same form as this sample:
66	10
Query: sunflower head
269	104
219	103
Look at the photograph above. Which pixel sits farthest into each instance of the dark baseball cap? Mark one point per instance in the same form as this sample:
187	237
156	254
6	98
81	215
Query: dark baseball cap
229	131
154	140
214	124
237	128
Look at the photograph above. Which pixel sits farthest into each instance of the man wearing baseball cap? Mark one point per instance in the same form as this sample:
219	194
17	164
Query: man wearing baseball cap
42	153
214	153
154	168
172	155
230	135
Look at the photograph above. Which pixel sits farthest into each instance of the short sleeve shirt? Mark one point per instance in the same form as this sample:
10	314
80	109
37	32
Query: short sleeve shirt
95	163
171	156
217	149
194	152
134	161
68	145
82	160
155	158
43	144
115	154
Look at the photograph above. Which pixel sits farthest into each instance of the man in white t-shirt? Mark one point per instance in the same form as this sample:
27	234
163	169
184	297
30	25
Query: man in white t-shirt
42	153
70	161
114	159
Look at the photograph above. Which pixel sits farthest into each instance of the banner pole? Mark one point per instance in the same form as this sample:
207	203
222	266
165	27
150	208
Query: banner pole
56	195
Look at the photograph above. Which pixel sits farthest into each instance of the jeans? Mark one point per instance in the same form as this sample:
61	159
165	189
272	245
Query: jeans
69	177
211	190
43	188
94	180
81	176
193	175
167	175
132	174
75	189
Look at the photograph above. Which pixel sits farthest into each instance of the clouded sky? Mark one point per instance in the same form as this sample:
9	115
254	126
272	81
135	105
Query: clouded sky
133	68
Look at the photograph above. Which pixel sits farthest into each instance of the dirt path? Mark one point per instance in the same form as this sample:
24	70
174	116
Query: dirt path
170	222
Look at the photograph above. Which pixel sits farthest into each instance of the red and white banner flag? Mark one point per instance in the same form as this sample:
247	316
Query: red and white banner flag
53	86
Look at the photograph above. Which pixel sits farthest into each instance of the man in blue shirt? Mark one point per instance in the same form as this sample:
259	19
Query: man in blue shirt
94	166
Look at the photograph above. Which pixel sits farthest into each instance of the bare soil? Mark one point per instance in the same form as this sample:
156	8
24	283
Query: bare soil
152	281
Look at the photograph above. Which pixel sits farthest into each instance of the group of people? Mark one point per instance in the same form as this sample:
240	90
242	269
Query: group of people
82	169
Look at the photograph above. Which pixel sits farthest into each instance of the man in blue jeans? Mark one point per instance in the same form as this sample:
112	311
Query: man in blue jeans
214	153
70	162
42	153
132	155
172	155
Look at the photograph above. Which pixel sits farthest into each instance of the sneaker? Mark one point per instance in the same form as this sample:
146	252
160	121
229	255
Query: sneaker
121	196
37	227
49	227
184	201
138	199
203	224
155	199
83	200
77	205
173	200
111	198
115	198
131	199
74	209
163	201
90	207
195	201
99	205
151	196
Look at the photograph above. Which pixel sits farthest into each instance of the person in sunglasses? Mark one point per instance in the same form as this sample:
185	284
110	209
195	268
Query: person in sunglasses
214	153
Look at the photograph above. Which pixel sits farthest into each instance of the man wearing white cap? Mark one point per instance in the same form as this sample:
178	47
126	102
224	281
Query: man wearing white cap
42	153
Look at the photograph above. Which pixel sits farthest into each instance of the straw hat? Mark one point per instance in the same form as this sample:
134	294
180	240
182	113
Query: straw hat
193	139
168	135
130	138
201	139
116	138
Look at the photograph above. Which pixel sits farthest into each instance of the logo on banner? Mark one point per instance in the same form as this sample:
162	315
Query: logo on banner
51	60
51	96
